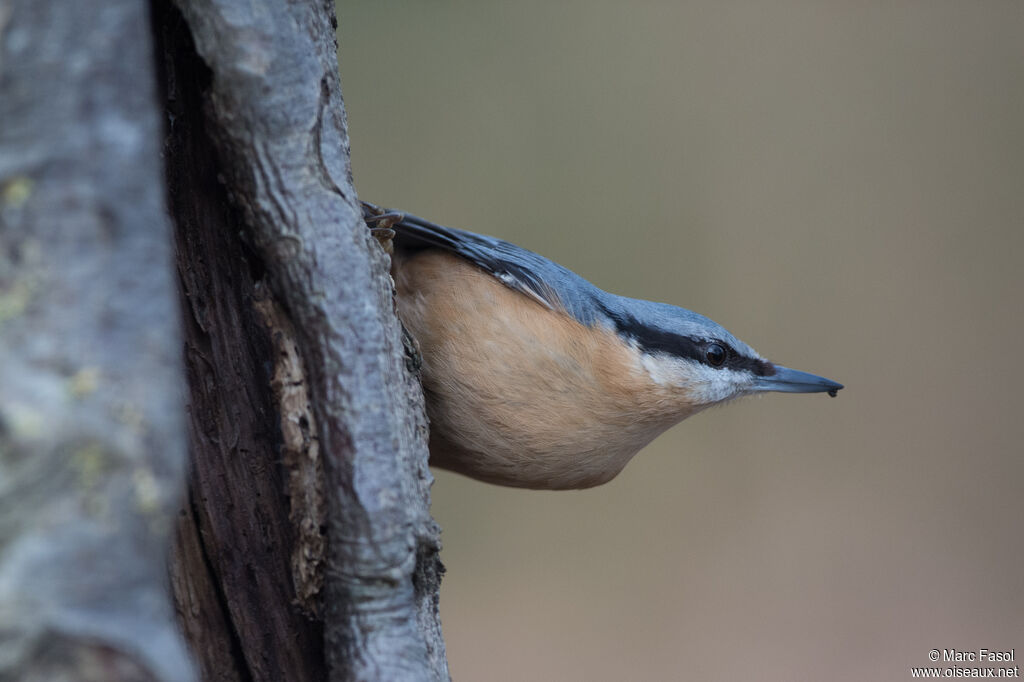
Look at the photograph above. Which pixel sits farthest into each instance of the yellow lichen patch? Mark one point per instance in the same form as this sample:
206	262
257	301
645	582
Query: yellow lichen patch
16	191
129	415
84	382
26	279
147	490
24	422
14	299
89	463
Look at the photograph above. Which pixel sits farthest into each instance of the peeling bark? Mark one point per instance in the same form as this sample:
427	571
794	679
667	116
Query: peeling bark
301	449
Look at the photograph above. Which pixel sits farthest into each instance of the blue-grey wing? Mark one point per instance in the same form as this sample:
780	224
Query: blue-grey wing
543	280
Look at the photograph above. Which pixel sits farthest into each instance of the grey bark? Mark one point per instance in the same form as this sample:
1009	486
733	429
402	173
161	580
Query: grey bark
92	429
300	380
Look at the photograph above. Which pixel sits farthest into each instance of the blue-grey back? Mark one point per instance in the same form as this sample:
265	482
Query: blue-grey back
559	288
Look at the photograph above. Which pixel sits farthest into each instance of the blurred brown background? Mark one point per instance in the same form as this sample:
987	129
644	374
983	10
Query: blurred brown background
841	184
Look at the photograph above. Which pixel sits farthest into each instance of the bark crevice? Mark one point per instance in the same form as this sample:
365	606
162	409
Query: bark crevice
337	453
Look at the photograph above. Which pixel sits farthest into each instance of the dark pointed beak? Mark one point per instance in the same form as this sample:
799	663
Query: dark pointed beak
786	380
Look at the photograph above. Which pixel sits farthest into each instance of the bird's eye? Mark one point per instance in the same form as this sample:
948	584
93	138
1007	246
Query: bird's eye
715	355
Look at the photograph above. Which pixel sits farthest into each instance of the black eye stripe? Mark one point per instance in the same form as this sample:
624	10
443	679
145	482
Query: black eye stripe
738	362
659	341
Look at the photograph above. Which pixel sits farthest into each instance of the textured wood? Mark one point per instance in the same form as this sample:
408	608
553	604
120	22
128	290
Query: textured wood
231	572
296	364
92	427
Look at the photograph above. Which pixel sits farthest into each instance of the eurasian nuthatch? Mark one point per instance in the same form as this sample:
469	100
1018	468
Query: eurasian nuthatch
536	378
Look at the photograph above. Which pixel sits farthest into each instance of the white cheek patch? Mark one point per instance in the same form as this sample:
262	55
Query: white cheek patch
663	370
709	385
706	385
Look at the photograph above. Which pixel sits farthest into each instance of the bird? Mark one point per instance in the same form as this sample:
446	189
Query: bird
536	378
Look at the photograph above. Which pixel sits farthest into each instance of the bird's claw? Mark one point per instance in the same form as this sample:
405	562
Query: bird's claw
380	222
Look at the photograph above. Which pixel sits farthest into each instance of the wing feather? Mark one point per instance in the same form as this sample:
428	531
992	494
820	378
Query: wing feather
515	267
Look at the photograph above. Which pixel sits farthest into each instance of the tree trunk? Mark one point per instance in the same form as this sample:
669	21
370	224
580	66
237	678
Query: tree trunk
308	550
92	424
303	548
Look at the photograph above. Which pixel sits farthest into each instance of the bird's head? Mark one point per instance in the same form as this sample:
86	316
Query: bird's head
700	361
